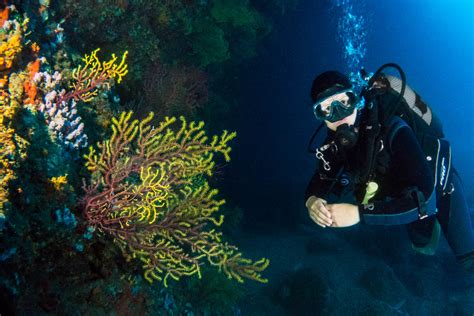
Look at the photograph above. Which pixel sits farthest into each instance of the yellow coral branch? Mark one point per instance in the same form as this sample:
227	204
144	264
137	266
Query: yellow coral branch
59	182
94	74
150	203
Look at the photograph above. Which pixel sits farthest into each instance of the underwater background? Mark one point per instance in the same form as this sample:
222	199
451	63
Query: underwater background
108	211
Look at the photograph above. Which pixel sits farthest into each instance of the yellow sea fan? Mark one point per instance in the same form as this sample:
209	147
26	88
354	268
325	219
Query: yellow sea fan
95	73
143	195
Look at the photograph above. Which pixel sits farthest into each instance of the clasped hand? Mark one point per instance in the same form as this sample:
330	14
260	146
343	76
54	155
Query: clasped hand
332	215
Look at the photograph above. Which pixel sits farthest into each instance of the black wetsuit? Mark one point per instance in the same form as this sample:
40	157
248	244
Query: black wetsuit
394	202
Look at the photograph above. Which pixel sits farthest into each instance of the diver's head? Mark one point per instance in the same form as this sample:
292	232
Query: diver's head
334	101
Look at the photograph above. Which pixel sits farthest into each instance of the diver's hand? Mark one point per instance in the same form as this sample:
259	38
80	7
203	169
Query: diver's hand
343	214
318	212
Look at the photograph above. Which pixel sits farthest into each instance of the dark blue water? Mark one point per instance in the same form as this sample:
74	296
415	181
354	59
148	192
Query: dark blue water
434	43
431	40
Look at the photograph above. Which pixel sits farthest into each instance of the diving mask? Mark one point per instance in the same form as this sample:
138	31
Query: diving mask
335	107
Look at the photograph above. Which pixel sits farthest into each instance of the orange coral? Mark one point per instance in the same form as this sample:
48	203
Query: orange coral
42	8
35	48
29	85
4	15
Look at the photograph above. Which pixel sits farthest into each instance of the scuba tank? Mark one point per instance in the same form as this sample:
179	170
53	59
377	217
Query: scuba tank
416	114
409	105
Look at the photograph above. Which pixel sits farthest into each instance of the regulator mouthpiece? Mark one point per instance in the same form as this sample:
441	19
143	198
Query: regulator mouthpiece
346	136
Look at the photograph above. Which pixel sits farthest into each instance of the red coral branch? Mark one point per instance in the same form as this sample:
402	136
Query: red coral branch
175	90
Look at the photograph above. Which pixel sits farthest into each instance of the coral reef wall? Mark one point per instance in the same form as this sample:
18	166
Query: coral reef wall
107	210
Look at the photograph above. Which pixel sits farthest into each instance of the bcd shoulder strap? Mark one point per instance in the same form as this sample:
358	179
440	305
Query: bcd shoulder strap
437	153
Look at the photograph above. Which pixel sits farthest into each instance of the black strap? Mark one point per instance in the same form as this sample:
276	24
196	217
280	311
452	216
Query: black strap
395	124
334	181
310	144
419	198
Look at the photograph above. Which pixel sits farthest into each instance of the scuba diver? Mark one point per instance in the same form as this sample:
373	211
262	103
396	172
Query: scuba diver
385	162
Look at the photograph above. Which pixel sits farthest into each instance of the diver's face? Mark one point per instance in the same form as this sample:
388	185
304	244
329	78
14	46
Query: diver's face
349	120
